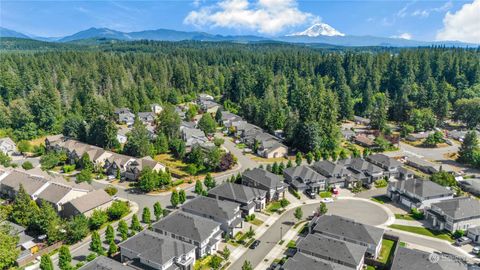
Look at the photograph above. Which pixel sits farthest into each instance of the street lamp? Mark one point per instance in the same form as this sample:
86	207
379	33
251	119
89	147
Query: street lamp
281	233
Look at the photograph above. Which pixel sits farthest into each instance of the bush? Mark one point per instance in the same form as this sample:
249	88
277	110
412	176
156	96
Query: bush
117	210
458	234
111	190
84	176
381	183
27	165
294	193
97	219
178	182
416	214
68	168
250	217
91	257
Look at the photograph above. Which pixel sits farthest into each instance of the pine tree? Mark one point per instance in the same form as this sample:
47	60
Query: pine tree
199	187
281	168
96	244
174	199
289	163
64	258
46	263
182	196
309	157
157	210
298	159
112	248
135	225
123	229
146	218
109	234
469	147
275	168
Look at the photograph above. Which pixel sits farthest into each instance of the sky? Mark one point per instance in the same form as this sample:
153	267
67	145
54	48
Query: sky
418	20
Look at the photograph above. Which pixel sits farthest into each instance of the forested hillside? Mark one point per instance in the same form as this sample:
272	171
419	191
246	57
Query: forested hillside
304	91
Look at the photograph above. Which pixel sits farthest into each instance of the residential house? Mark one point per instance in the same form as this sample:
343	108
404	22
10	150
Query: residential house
348	134
332	250
117	162
361	120
229	118
265	180
209	106
301	261
364	140
7	146
203	233
390	165
348	230
250	199
337	174
25	242
412	259
125	116
180	112
147	118
304	178
471	185
151	250
227	213
422	165
474	234
57	194
156	108
122	134
192	136
415	137
454	214
269	146
104	263
134	168
203	96
405	174
247	132
87	203
364	171
417	193
10	182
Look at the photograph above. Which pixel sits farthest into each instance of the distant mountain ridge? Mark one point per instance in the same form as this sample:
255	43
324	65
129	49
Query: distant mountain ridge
316	34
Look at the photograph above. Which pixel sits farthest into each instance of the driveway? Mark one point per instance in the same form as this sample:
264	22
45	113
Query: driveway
361	211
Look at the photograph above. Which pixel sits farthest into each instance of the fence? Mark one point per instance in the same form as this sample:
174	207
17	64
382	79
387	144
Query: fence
26	260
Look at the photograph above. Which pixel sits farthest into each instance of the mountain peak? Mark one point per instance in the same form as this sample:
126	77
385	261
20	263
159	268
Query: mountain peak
319	29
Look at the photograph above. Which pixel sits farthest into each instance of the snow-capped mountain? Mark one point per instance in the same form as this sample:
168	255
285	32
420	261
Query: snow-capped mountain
319	29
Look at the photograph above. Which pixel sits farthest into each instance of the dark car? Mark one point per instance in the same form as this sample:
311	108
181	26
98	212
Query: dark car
255	244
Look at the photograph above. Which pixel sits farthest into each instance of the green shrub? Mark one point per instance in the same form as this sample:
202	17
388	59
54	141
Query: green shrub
27	165
458	233
111	190
381	183
178	182
294	193
68	168
416	214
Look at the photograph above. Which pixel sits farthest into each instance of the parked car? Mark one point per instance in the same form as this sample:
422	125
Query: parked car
327	200
311	194
463	241
255	244
476	250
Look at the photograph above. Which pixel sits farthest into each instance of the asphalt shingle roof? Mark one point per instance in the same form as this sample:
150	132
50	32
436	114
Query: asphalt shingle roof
301	261
187	225
212	207
411	259
30	183
104	263
90	200
459	208
237	192
54	192
384	160
305	173
348	228
422	188
264	178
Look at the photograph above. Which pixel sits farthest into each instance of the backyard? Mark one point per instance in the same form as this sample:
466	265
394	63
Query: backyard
386	251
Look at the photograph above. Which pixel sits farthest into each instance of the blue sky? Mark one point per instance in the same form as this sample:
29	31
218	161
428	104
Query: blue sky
420	20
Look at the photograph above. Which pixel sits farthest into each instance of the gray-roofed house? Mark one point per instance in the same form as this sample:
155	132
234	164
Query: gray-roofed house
364	171
105	263
348	134
454	214
229	118
204	233
474	234
208	106
10	183
333	250
361	120
304	178
405	174
250	199
227	213
135	167
156	108
25	241
471	185
270	146
151	250
147	118
364	140
417	193
192	136
412	259
414	137
337	174
7	146
122	134
422	165
265	180
58	194
87	203
348	230
125	116
300	261
390	165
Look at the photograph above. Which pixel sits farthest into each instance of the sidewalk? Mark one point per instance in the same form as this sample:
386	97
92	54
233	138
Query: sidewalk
278	249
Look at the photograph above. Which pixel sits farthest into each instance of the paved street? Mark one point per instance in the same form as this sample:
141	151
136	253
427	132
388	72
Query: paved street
350	208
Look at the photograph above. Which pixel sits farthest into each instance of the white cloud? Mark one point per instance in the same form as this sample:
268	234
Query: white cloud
463	25
404	36
264	16
426	12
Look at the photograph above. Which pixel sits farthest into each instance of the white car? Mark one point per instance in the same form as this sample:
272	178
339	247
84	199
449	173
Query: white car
476	250
327	200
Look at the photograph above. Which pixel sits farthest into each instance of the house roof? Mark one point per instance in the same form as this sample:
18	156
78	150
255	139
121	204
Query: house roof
192	227
330	168
15	229
459	208
361	119
104	263
362	138
212	207
90	200
30	183
422	162
422	188
304	173
155	247
54	192
7	140
412	259
237	192
321	246
301	261
264	178
384	160
348	228
471	185
361	165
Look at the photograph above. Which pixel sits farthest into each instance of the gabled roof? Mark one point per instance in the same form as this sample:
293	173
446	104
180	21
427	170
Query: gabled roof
336	250
348	228
191	227
412	259
384	160
154	247
422	188
237	192
301	261
264	178
104	263
7	140
30	183
212	207
54	192
361	165
304	173
330	168
90	200
459	208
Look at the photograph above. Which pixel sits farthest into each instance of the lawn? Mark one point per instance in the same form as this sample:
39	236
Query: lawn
274	207
386	251
381	199
404	216
204	263
241	146
291	244
256	222
325	194
175	166
424	231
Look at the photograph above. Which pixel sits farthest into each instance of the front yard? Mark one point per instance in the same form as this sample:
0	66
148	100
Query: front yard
386	251
443	235
381	199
